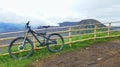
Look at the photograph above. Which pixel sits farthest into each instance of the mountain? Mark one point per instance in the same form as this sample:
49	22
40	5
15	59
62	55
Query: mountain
10	27
88	22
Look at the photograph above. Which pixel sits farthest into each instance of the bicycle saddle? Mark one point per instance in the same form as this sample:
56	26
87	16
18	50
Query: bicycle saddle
46	26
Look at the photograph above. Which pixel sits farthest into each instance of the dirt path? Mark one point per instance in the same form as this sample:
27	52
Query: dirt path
98	55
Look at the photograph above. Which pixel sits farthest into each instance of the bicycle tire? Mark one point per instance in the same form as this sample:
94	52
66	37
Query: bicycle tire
13	46
60	42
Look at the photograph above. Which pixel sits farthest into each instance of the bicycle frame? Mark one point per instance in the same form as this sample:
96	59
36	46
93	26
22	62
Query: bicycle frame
33	33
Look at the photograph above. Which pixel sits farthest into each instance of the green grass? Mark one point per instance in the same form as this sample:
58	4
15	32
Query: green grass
6	61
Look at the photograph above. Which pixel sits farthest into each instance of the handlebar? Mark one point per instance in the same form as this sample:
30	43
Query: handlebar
27	24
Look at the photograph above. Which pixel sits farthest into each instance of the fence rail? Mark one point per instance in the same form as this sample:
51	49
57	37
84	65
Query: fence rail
69	33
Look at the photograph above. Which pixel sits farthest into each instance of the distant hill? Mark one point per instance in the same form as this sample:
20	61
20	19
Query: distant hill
10	27
83	22
89	23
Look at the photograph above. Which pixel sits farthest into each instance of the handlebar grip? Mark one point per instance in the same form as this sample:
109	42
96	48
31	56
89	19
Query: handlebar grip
27	23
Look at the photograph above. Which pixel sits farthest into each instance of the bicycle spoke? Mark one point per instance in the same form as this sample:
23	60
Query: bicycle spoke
20	50
55	42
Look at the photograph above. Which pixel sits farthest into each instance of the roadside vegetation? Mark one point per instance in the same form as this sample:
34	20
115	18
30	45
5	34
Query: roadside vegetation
6	61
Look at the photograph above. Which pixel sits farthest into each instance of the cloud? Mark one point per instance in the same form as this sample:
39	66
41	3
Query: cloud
6	16
105	10
51	12
10	17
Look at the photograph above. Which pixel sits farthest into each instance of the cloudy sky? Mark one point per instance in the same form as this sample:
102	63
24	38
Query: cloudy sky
51	12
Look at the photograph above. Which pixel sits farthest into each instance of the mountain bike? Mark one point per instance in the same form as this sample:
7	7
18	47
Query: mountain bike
22	47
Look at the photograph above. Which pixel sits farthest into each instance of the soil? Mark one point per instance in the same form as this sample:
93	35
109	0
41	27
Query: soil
105	54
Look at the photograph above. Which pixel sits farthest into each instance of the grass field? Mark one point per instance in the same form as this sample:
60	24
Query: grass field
6	61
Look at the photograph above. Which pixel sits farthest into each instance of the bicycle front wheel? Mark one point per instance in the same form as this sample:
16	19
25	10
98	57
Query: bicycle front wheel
55	42
20	48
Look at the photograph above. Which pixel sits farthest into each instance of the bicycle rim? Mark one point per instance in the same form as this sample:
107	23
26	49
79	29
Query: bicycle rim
20	49
56	43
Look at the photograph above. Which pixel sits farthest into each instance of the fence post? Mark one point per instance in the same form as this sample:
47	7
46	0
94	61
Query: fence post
109	26
70	37
95	32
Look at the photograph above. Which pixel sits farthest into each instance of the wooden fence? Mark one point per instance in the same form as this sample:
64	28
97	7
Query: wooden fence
68	34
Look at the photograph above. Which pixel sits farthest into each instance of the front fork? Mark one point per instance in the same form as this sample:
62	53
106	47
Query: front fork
22	46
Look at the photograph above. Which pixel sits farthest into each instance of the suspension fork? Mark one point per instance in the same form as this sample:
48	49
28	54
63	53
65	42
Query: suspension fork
26	35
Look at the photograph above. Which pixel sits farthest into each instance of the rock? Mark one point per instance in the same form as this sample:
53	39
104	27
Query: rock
98	59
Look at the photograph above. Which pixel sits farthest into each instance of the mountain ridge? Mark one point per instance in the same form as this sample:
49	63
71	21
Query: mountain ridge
10	27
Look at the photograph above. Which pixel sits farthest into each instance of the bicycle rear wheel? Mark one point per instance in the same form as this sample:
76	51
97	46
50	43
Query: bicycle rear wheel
55	42
19	49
